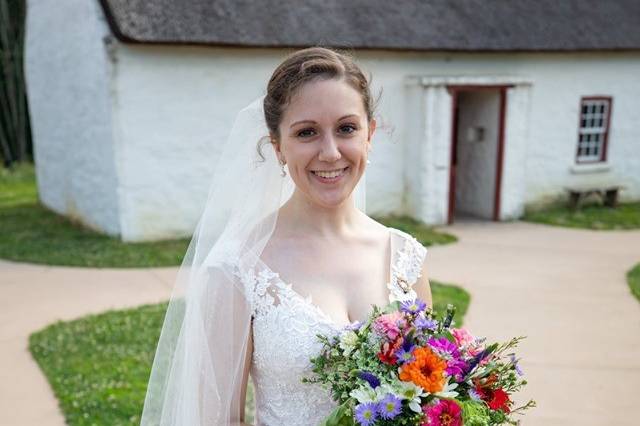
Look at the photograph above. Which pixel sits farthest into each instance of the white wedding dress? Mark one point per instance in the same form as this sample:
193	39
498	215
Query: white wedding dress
285	326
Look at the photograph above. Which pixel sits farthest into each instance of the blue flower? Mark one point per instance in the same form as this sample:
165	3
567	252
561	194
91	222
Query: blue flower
367	413
413	306
370	378
405	355
390	406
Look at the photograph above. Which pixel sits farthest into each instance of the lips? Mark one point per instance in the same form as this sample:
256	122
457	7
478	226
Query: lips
330	176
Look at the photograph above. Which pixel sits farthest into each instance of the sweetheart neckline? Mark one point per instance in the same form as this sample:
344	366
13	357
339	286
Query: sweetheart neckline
308	300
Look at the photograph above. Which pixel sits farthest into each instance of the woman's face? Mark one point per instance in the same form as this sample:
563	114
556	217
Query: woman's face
324	140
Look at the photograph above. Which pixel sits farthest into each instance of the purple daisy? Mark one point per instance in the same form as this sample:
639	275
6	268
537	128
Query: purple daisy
474	395
413	306
514	361
390	406
354	326
423	323
366	413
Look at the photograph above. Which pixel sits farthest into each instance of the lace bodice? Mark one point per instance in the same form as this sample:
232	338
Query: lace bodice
285	326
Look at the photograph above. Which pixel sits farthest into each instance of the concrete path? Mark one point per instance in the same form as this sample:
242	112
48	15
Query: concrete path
32	297
565	289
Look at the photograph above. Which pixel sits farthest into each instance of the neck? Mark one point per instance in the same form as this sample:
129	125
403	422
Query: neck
305	217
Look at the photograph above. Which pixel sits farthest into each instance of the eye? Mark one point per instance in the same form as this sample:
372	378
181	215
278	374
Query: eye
304	133
350	128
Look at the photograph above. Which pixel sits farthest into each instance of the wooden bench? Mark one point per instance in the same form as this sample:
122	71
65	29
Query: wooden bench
608	193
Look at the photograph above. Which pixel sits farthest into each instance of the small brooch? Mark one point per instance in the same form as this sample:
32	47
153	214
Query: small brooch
403	284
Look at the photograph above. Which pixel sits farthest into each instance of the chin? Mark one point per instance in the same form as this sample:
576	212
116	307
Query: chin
330	200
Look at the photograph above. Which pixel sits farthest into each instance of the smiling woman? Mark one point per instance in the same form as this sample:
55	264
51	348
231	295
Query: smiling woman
325	138
278	257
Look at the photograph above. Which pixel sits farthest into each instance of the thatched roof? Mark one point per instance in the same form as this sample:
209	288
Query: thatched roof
451	25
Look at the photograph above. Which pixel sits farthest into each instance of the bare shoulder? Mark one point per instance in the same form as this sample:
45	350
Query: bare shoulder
374	227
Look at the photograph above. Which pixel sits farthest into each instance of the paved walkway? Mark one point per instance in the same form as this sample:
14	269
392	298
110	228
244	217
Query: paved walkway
32	297
565	289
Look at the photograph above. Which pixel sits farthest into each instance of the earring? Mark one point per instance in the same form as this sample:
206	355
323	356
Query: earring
368	161
283	173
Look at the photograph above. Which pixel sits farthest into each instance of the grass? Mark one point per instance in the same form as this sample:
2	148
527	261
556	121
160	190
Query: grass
633	278
99	365
32	233
427	235
589	216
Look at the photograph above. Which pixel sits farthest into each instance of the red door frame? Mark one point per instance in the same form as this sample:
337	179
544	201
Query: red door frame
454	90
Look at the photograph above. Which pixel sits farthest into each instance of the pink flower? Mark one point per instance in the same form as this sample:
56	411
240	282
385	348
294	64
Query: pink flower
444	413
390	324
464	338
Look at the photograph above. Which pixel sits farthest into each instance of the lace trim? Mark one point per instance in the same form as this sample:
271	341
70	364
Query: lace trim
406	270
266	289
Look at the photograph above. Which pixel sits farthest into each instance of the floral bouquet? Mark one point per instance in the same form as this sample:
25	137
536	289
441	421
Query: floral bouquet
405	367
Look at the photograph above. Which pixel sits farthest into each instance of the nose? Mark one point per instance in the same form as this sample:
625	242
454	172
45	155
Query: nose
329	151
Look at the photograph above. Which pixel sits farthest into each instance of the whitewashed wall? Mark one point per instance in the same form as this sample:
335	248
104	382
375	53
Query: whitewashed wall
69	85
126	136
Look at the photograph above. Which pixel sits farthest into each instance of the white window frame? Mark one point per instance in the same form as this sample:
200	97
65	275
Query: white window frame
593	129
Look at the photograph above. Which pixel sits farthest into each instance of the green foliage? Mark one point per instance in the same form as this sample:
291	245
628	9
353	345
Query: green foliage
475	413
15	134
590	216
633	278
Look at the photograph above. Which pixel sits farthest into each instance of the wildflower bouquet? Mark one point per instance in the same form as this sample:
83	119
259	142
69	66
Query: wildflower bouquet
403	366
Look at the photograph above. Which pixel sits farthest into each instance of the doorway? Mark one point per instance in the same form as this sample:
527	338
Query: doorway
477	150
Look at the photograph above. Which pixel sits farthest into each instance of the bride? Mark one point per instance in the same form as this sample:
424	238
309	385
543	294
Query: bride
283	252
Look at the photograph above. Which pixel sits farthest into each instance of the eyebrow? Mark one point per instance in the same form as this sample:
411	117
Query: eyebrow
311	121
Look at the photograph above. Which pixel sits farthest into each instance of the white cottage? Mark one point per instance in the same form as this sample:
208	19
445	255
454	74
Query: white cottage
487	107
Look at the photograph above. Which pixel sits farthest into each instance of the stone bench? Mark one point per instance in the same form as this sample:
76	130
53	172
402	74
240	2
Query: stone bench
608	193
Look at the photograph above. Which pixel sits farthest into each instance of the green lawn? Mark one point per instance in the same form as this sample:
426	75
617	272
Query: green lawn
99	365
589	216
32	233
633	278
427	235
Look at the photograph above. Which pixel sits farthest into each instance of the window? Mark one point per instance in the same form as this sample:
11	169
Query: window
595	113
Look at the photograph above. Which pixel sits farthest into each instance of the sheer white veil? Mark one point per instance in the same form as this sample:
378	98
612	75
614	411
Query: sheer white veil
199	362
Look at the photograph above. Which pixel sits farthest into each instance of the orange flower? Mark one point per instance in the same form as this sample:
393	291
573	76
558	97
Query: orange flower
427	371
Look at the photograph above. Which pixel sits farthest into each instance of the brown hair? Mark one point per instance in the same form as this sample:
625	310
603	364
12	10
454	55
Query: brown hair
303	66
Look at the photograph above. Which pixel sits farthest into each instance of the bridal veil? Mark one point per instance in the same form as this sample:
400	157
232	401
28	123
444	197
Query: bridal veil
198	366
